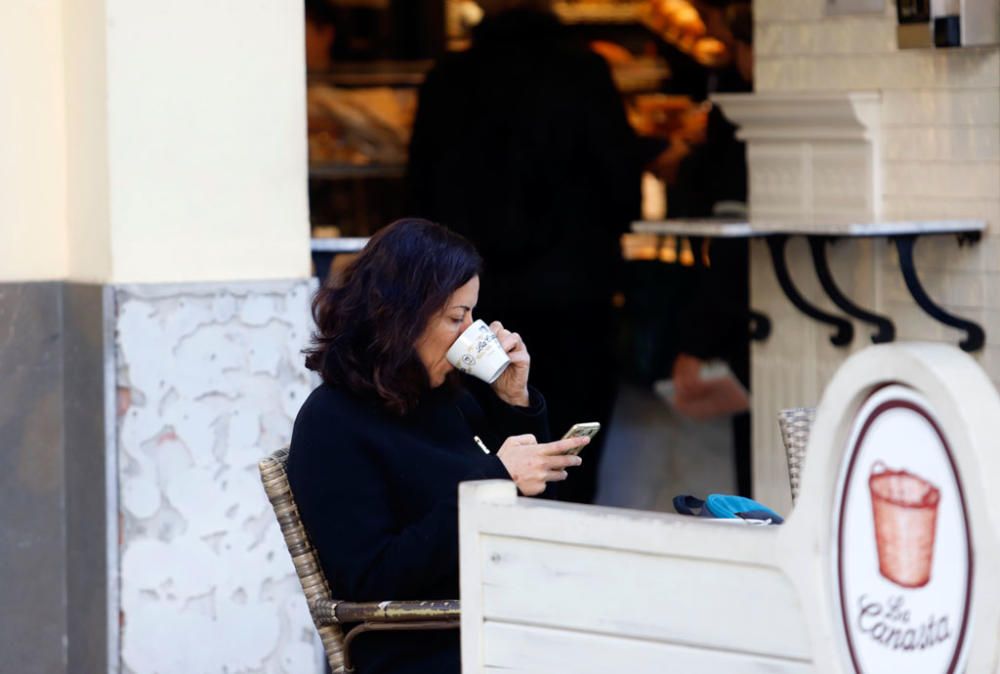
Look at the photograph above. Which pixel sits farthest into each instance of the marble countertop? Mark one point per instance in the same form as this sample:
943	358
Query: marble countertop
712	227
733	229
338	244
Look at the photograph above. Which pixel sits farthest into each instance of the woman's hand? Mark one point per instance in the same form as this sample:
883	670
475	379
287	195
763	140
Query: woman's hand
532	465
512	385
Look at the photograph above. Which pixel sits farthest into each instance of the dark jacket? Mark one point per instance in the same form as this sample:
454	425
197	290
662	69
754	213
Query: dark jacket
522	145
378	496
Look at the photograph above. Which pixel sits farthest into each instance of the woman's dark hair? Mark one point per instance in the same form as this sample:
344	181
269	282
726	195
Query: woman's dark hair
367	324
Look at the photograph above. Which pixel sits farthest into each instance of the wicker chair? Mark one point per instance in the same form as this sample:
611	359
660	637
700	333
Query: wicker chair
794	424
328	614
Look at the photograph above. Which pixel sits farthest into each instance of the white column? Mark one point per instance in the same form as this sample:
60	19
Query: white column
32	142
152	142
88	223
187	140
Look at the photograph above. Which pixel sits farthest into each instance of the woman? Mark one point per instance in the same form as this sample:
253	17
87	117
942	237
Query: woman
379	449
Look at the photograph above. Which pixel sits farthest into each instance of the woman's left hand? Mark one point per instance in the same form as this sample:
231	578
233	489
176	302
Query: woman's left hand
512	385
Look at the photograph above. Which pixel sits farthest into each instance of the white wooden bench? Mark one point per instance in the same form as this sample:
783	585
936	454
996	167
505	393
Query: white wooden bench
566	589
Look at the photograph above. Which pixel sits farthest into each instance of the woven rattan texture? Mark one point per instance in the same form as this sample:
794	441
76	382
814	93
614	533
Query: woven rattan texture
304	557
795	424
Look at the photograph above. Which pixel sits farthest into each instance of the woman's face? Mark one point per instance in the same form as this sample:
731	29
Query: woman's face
444	328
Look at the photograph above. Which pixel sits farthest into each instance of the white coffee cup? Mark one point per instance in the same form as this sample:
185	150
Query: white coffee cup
477	351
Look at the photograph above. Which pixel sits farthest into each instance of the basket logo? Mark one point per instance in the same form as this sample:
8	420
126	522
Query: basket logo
903	548
904	512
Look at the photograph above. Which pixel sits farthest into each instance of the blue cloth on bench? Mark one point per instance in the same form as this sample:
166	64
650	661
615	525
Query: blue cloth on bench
725	506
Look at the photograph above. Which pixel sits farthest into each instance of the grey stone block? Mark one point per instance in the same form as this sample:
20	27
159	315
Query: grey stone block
53	494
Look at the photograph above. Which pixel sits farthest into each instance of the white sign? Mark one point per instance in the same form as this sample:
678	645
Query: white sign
854	6
903	551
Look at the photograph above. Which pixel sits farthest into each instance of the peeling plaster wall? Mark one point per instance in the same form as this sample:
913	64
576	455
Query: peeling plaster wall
209	379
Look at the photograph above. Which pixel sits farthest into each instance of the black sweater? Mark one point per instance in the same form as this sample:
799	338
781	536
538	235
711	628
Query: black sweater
378	495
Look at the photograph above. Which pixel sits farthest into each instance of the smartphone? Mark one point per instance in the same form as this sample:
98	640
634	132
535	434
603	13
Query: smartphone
588	430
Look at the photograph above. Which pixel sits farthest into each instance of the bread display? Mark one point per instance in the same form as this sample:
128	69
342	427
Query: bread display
675	21
678	22
359	126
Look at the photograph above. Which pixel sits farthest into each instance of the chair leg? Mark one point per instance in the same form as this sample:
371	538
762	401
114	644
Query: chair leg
392	627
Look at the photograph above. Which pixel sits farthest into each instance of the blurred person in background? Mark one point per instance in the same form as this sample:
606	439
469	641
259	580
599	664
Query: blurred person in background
712	181
713	173
379	448
521	143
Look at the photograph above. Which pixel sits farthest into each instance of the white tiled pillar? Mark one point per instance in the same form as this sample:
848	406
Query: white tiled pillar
940	158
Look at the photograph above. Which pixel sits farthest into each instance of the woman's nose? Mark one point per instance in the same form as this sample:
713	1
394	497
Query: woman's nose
468	321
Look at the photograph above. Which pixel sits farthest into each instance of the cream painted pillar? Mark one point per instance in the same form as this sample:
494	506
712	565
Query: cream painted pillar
152	142
88	223
32	142
186	141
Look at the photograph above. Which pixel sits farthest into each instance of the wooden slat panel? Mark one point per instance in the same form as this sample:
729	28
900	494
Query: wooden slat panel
633	530
522	649
684	600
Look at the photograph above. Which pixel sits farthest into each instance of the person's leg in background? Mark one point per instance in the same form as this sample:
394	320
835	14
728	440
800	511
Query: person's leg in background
741	452
739	362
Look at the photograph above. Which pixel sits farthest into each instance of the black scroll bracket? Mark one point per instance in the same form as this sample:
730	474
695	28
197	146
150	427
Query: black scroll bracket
975	337
885	330
845	331
760	326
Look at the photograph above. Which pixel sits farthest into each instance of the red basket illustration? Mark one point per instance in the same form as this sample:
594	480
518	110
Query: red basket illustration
904	507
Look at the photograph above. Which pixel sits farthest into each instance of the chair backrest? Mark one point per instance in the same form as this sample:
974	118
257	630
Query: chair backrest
795	423
304	557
